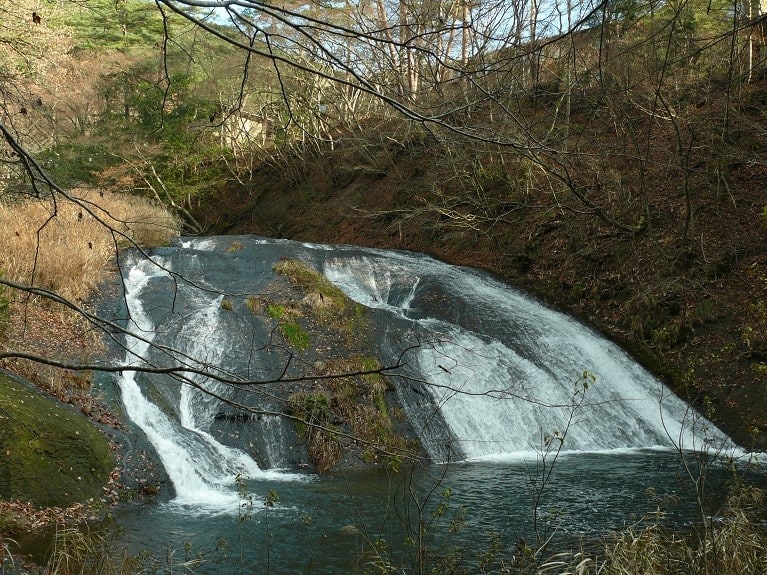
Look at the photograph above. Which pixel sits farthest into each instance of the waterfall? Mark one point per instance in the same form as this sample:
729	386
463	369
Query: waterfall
203	470
488	373
509	374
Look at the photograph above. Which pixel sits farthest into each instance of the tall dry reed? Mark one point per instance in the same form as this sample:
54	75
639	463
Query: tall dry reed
734	543
66	246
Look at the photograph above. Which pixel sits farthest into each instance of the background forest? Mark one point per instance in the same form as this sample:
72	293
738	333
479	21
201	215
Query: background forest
606	156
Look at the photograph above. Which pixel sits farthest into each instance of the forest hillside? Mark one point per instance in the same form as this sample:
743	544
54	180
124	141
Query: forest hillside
689	306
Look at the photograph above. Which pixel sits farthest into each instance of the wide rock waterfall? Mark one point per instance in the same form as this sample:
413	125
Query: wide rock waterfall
511	376
486	371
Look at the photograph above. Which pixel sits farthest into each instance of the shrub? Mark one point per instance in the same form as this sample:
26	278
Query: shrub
314	424
312	408
754	333
376	384
369	420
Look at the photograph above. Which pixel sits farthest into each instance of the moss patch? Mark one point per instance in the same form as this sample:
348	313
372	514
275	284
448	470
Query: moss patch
324	301
49	455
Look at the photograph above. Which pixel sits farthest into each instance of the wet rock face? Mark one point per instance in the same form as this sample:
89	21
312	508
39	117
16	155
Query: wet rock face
254	312
50	455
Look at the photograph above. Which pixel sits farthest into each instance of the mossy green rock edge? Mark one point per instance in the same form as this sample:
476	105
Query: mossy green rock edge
50	455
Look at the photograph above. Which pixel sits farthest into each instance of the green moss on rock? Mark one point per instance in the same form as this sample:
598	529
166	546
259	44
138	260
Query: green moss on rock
49	455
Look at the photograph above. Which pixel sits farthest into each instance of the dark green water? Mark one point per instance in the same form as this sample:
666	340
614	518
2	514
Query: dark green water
331	524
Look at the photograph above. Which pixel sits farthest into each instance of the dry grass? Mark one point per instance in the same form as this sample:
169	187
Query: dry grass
68	246
65	246
734	543
87	551
326	299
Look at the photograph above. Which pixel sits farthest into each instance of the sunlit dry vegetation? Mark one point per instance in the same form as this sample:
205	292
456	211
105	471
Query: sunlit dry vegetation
67	246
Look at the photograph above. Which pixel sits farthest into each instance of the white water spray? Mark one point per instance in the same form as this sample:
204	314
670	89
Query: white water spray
506	372
203	471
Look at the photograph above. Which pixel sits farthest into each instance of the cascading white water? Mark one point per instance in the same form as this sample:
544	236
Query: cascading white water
499	372
203	471
503	371
273	437
506	371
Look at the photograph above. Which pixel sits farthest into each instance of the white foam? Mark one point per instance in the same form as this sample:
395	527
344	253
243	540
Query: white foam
518	373
202	470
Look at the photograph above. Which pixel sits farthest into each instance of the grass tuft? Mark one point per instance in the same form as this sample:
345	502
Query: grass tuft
313	282
295	335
